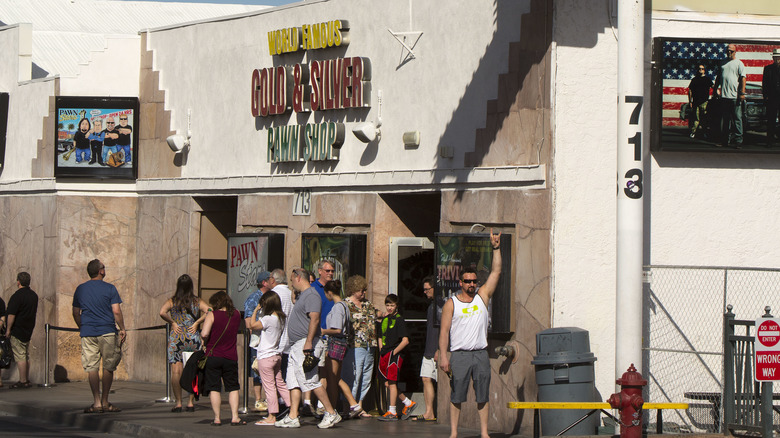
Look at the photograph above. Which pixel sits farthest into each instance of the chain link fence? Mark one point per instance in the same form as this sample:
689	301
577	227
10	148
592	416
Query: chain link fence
683	335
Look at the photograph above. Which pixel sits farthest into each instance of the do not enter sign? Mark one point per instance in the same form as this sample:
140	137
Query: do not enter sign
768	333
767	350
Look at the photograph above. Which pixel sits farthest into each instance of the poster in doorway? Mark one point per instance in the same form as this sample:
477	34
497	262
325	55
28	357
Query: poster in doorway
457	252
347	252
247	257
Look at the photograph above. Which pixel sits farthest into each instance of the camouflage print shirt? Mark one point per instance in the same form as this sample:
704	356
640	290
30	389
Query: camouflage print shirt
364	323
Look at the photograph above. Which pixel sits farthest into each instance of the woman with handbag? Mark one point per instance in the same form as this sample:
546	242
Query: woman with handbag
269	355
220	330
338	331
184	312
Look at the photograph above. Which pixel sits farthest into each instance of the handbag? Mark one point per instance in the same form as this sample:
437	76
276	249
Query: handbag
338	344
6	355
310	362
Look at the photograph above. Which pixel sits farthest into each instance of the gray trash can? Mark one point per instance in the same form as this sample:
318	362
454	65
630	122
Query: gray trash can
564	373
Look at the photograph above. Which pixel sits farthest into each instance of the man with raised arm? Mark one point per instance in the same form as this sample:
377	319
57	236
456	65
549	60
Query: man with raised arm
464	326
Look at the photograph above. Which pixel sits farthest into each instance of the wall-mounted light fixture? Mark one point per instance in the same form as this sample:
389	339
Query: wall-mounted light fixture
177	142
369	131
411	139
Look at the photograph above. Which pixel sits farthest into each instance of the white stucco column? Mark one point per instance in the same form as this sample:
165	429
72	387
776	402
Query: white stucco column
630	170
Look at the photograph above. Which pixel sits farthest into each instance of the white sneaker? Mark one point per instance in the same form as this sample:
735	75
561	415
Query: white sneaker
288	422
329	420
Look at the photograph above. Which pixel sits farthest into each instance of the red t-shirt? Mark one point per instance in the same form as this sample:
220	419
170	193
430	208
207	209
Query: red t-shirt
226	347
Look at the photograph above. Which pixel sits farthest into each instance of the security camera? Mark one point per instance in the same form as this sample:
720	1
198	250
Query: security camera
178	143
366	132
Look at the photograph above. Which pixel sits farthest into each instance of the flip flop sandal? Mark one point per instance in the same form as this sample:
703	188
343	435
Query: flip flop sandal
93	410
111	408
177	409
190	408
216	424
238	423
422	418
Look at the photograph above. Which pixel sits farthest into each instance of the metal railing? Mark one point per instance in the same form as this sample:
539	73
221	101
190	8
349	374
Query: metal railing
48	328
167	327
747	404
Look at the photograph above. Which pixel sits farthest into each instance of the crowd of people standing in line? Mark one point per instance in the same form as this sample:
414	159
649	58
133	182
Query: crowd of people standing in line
295	349
298	351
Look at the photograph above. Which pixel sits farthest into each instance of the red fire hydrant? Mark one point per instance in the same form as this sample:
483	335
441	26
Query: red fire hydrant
629	401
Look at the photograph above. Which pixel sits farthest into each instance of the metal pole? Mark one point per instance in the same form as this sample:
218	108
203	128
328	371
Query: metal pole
244	409
729	384
167	398
46	383
630	182
766	409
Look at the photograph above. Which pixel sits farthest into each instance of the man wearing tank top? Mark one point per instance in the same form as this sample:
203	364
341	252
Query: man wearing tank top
464	325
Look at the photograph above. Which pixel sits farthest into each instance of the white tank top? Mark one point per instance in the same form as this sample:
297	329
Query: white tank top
469	325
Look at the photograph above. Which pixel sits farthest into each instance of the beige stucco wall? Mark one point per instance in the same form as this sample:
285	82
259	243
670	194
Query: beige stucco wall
27	243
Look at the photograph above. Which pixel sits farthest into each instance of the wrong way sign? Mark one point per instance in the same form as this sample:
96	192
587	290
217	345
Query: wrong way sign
767	350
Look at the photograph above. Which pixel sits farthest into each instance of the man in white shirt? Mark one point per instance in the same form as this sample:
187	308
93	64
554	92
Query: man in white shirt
464	325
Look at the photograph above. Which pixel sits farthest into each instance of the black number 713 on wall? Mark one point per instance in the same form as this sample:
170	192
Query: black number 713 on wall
633	187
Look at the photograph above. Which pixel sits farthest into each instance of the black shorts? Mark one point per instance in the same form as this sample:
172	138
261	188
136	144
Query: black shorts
221	371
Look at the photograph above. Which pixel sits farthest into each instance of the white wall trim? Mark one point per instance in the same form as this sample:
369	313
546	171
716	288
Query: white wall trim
529	177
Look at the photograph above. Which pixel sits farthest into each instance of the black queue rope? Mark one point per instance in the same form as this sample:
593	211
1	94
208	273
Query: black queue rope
165	327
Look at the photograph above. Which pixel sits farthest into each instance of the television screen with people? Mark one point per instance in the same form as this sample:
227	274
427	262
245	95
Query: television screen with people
716	95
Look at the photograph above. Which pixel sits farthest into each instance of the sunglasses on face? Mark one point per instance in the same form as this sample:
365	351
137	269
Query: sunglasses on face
471	281
328	270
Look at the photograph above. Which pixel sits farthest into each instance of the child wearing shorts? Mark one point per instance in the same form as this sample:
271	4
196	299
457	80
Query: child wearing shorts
391	344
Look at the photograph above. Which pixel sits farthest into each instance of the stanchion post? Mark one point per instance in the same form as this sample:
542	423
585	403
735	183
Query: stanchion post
46	383
167	398
244	409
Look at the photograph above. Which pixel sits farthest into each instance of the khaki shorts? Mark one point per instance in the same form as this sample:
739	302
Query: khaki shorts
428	368
296	376
107	347
20	349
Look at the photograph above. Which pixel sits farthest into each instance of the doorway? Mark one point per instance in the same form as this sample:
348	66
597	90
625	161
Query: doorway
217	219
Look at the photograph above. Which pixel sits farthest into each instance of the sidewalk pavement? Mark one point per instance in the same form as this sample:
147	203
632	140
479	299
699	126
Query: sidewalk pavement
64	404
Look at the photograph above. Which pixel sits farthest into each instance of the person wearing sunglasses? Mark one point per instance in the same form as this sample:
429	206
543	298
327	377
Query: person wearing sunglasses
110	137
463	332
123	142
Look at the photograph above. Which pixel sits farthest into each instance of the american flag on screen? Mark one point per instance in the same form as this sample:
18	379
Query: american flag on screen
681	59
